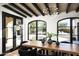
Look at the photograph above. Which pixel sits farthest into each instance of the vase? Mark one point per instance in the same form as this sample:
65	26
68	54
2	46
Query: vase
57	43
43	40
49	41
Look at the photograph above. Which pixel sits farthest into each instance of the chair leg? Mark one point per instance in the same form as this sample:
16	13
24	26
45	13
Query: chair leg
46	52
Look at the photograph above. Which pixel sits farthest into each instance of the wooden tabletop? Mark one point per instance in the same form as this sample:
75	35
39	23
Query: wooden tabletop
73	48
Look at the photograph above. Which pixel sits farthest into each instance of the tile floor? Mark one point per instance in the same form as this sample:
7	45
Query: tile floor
14	53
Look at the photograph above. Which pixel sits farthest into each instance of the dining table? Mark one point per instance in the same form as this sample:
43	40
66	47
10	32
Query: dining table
62	47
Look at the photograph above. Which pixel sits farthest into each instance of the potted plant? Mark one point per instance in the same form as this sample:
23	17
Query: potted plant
49	35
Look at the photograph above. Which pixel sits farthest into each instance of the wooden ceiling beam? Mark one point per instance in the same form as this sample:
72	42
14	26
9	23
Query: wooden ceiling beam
9	8
46	5
77	10
68	7
57	5
24	5
36	6
20	9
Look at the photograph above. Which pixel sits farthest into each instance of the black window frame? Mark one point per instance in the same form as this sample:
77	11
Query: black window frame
71	18
36	27
4	14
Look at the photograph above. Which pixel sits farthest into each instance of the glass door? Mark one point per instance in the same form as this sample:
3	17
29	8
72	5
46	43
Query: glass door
12	34
64	30
9	32
41	30
75	31
32	30
18	31
68	30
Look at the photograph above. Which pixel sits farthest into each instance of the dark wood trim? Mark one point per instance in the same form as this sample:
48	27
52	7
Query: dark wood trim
3	35
47	6
68	18
14	36
36	6
68	7
78	31
57	5
77	10
71	31
20	9
22	31
28	31
6	6
36	30
57	31
24	5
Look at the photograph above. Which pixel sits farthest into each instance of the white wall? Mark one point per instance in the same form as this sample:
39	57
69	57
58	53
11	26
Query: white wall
51	21
0	33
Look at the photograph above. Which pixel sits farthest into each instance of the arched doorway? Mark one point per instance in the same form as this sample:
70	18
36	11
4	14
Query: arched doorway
68	30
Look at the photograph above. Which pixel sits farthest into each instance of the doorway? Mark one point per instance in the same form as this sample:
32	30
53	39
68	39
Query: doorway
68	30
12	32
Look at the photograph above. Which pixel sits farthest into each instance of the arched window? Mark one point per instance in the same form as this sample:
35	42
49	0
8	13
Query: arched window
37	30
68	30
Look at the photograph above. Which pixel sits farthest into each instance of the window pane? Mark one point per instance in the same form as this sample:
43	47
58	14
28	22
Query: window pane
64	30
18	31
9	44
9	22
75	29
41	30
18	40
9	33
32	31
